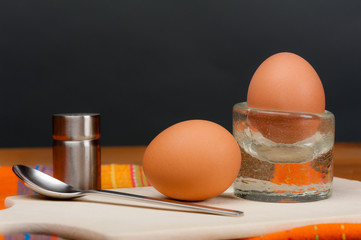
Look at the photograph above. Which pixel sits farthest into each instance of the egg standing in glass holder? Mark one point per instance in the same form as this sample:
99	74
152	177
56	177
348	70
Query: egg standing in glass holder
285	135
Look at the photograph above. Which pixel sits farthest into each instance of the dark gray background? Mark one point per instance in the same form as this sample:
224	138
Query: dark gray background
145	65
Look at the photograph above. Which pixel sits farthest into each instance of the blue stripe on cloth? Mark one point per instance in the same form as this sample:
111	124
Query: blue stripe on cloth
28	236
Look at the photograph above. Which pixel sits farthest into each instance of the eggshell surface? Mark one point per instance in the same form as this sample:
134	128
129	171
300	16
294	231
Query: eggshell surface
192	160
285	82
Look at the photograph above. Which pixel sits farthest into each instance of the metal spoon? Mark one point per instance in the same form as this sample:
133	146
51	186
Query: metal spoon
52	187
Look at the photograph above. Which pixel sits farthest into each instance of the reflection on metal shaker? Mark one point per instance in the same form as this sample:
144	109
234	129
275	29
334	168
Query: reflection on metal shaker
76	149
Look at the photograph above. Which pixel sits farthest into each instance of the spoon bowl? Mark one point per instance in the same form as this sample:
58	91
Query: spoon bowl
51	187
44	184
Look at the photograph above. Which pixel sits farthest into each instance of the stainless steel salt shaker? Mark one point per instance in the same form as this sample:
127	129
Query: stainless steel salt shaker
76	149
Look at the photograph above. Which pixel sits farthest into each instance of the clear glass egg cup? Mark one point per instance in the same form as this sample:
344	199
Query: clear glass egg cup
286	156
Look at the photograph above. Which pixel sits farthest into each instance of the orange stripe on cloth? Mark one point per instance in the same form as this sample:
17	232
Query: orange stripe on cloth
8	184
139	179
122	176
331	231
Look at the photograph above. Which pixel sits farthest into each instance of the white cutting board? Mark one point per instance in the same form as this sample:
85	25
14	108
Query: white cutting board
88	218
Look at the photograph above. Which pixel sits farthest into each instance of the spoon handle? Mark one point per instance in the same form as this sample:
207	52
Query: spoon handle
169	202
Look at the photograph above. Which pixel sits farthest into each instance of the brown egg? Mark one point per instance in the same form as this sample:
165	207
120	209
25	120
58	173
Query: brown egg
288	83
193	160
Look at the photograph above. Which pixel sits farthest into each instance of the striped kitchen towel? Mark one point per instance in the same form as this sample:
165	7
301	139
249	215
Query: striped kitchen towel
127	176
